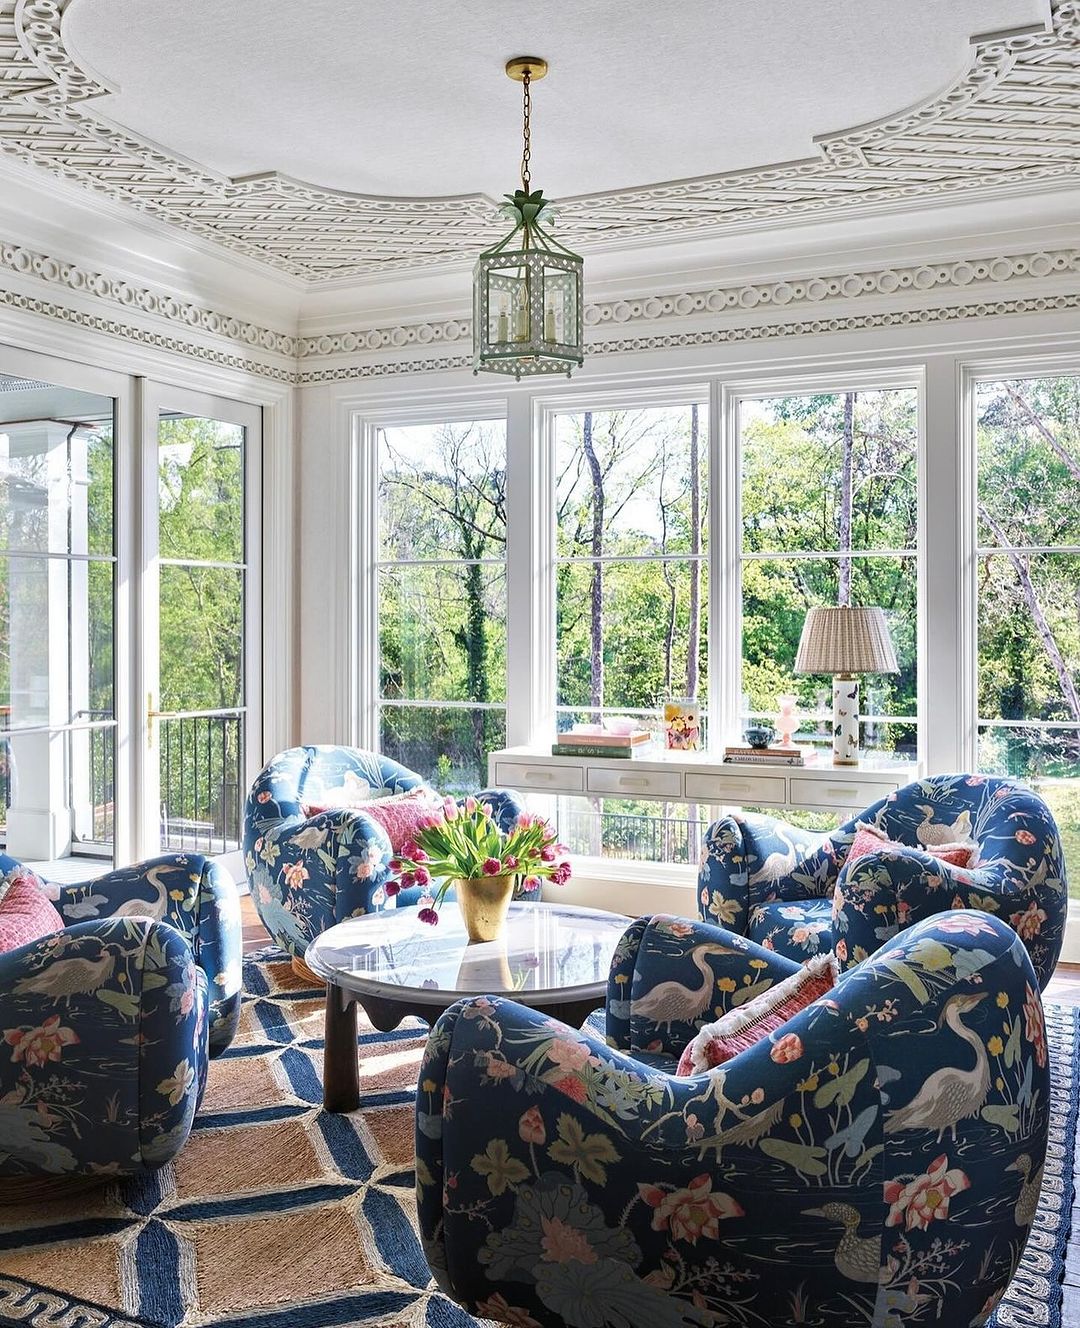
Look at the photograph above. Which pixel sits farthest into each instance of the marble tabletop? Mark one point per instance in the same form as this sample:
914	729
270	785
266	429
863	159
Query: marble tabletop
561	952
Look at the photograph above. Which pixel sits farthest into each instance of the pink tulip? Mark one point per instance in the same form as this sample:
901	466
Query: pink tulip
491	867
421	876
562	873
531	883
451	809
510	863
395	863
392	888
471	804
429	916
407	878
547	854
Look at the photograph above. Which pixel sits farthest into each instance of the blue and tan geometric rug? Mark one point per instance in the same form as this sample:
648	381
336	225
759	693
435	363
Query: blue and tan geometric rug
277	1215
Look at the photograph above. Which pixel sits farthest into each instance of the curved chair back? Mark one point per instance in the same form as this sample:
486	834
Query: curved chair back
306	774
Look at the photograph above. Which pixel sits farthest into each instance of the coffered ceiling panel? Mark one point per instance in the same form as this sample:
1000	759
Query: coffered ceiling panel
333	141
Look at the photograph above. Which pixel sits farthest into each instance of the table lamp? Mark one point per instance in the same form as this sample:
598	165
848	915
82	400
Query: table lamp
846	641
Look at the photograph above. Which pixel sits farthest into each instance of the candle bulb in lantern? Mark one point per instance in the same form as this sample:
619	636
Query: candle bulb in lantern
549	323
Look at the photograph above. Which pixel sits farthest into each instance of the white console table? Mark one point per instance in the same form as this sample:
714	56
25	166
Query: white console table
703	778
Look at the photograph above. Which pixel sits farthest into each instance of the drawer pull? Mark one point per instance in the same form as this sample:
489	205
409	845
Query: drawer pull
844	793
630	781
539	776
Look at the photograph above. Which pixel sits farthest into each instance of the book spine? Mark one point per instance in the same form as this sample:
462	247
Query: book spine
580	749
764	760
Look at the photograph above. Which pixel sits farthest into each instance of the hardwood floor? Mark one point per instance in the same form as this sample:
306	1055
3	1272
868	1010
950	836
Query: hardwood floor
1064	989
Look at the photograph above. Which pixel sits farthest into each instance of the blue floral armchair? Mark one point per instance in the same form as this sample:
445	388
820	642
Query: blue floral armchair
876	1160
191	893
307	873
792	891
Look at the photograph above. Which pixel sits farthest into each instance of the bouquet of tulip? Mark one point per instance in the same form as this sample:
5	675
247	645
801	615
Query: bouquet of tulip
464	844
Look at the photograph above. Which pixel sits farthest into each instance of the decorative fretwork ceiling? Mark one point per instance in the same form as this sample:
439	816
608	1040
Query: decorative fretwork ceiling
1011	122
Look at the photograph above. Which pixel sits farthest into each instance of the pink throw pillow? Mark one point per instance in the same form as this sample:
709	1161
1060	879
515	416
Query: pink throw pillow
26	914
718	1042
399	815
870	840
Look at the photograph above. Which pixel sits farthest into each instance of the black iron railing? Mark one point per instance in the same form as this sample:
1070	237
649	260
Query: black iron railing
202	761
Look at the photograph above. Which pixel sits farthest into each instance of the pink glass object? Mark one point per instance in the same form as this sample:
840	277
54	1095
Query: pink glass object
787	720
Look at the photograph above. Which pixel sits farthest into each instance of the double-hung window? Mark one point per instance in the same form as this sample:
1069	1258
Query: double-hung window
441	575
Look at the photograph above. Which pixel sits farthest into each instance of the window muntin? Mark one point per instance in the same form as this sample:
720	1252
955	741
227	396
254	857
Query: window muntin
1028	574
829	513
441	582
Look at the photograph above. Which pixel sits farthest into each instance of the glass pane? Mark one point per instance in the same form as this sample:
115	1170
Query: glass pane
56	473
628	829
442	632
201	489
56	641
1029	637
630	633
201	782
1049	760
442	491
202	638
1029	462
631	482
448	747
92	757
830	471
776	596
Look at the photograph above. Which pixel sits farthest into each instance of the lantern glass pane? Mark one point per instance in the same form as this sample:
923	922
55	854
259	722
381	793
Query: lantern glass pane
560	306
507	320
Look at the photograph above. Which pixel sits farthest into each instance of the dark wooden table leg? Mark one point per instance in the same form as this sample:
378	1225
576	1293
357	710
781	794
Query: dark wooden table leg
341	1070
574	1013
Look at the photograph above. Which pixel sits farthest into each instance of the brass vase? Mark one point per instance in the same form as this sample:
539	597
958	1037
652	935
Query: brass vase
484	902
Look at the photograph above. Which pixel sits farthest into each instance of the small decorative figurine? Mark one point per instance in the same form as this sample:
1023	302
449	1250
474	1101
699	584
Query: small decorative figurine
787	719
758	735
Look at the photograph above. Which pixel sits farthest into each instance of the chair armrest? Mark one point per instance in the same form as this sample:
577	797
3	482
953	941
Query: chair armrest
669	976
506	806
191	893
750	860
105	1026
306	875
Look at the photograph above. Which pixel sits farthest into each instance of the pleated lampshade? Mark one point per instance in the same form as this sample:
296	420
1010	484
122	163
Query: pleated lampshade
845	639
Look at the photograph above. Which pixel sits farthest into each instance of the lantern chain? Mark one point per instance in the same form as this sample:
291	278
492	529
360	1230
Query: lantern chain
525	132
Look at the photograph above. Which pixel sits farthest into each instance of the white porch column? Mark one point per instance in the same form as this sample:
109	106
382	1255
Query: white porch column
39	819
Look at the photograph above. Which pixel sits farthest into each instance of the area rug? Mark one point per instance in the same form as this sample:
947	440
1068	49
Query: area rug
278	1215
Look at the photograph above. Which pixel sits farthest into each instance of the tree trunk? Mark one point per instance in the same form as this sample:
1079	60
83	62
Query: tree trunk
1031	599
846	467
596	588
694	637
1071	464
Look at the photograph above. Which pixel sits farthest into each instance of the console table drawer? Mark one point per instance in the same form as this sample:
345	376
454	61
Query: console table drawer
559	779
838	792
737	789
648	783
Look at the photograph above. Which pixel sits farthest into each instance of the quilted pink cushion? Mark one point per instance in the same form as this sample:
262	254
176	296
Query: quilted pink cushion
765	1014
25	913
872	841
399	815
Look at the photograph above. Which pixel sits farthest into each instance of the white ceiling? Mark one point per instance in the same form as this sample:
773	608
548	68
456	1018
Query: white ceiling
407	97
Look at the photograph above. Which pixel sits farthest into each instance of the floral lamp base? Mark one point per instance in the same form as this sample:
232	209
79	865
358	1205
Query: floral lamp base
845	743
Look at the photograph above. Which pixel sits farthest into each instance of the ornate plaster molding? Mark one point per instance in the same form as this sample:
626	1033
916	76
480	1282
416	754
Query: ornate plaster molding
87	281
733	311
721	335
1011	121
735	297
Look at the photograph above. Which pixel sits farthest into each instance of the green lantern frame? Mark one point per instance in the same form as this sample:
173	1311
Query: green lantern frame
528	304
528	307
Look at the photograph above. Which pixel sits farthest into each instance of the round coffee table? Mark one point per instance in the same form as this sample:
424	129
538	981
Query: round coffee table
553	957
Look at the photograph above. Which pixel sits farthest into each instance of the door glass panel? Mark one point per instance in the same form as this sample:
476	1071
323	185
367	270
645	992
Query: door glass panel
202	584
57	596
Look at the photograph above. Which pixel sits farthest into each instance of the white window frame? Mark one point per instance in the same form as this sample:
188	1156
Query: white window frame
365	670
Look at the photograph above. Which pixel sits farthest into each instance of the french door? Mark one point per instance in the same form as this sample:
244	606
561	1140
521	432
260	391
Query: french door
199	614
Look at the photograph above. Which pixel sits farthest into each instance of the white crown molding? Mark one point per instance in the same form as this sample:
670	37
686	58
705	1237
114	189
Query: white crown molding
1009	124
736	310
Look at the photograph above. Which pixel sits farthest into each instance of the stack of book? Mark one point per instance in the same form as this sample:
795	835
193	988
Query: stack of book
622	746
764	755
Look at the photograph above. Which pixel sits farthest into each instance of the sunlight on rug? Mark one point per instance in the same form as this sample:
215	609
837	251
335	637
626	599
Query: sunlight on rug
277	1215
